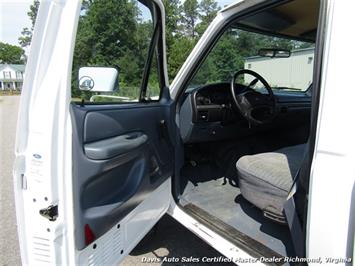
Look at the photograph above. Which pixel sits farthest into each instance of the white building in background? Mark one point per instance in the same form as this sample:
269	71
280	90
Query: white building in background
11	76
295	71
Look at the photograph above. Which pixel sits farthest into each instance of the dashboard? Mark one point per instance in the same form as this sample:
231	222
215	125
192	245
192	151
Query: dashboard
217	94
208	113
212	103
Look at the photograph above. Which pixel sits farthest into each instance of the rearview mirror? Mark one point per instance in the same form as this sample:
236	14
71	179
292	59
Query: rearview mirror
279	53
98	79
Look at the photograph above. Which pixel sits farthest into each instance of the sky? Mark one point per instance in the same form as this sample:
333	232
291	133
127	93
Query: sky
13	18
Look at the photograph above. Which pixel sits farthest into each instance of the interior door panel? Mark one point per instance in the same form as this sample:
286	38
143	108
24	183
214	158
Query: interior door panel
121	153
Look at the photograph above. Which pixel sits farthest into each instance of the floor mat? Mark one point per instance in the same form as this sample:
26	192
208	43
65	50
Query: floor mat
221	197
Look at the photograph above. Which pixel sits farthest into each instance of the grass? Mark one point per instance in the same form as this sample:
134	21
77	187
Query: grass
9	93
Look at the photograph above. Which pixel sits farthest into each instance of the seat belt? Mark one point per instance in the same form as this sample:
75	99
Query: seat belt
294	222
291	213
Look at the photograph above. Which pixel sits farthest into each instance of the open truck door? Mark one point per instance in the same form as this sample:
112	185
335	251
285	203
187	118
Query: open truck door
91	179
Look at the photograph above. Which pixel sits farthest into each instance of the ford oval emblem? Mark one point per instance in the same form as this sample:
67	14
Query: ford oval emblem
37	156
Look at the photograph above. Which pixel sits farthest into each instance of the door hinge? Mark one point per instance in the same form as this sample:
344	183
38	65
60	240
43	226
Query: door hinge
51	212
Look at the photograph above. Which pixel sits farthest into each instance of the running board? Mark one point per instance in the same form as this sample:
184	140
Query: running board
239	239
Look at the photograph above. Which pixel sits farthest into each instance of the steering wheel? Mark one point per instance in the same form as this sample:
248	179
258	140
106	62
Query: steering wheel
257	108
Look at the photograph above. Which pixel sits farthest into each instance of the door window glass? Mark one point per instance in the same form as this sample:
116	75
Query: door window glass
111	52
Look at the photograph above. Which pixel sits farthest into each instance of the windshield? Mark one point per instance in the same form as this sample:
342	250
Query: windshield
239	49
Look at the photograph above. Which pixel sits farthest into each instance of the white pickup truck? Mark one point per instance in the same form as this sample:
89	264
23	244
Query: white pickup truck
260	168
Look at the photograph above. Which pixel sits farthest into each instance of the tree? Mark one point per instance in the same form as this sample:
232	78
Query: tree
178	54
221	62
208	11
172	16
11	54
189	18
172	32
26	38
112	33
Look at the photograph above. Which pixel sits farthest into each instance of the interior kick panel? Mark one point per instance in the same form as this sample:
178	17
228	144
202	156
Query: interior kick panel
120	156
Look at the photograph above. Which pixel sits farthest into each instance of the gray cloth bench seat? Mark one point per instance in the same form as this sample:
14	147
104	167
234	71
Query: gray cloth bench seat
266	178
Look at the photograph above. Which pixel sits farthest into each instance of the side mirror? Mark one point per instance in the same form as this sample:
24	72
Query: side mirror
279	53
98	79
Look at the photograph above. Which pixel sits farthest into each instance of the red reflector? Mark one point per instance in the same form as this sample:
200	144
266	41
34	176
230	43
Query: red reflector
89	235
